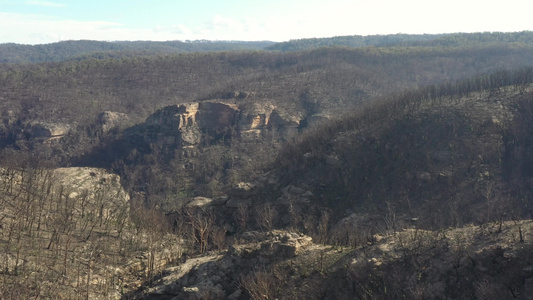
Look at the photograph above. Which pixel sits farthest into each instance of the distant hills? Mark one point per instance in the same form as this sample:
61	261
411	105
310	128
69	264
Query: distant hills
408	40
377	167
86	49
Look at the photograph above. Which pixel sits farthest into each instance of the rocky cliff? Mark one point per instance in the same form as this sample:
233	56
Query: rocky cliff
482	262
189	124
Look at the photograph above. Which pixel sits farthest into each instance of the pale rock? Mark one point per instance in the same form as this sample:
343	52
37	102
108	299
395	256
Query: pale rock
308	194
45	131
109	120
199	202
183	125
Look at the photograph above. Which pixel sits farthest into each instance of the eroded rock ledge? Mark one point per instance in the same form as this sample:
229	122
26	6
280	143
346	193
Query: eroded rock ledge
185	125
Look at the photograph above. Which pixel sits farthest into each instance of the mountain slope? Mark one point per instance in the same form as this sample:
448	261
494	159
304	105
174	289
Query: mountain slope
441	158
395	40
85	49
487	262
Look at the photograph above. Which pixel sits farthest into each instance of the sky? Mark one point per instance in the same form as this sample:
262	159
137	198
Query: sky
48	21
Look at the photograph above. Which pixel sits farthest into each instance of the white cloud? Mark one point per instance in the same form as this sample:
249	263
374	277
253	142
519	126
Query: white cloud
321	19
39	29
45	3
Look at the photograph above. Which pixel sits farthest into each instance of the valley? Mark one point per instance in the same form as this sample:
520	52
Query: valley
382	167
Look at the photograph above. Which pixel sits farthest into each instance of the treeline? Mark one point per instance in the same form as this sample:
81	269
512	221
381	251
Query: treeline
325	78
353	41
83	49
409	40
86	49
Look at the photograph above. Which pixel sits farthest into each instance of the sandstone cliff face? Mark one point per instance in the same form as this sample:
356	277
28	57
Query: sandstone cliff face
185	125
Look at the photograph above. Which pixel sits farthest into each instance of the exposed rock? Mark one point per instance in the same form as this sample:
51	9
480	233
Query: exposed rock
184	125
291	190
292	193
317	119
95	186
308	194
240	195
217	276
216	115
80	180
172	125
276	244
109	120
91	210
280	120
255	116
199	202
46	132
282	244
243	189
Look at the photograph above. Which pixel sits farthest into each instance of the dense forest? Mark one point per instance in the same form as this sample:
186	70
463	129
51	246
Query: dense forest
85	49
315	168
425	40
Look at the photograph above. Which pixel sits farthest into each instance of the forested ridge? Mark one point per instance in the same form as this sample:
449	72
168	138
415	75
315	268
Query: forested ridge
85	49
378	167
333	76
406	40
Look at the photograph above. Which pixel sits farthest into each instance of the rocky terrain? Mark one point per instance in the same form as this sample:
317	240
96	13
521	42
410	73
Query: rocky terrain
335	173
68	232
493	260
187	125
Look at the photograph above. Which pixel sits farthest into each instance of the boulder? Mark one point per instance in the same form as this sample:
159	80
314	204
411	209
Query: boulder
109	120
98	188
199	202
243	190
317	119
46	131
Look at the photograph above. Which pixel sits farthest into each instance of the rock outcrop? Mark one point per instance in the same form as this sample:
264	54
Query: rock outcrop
186	125
95	186
85	212
46	132
485	261
216	276
110	120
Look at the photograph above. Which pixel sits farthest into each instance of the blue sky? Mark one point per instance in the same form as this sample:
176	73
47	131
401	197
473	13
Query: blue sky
46	21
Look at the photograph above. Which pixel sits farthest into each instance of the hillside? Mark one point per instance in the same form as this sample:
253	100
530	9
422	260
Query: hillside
85	49
326	81
426	187
66	232
445	156
424	40
486	262
424	195
378	172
